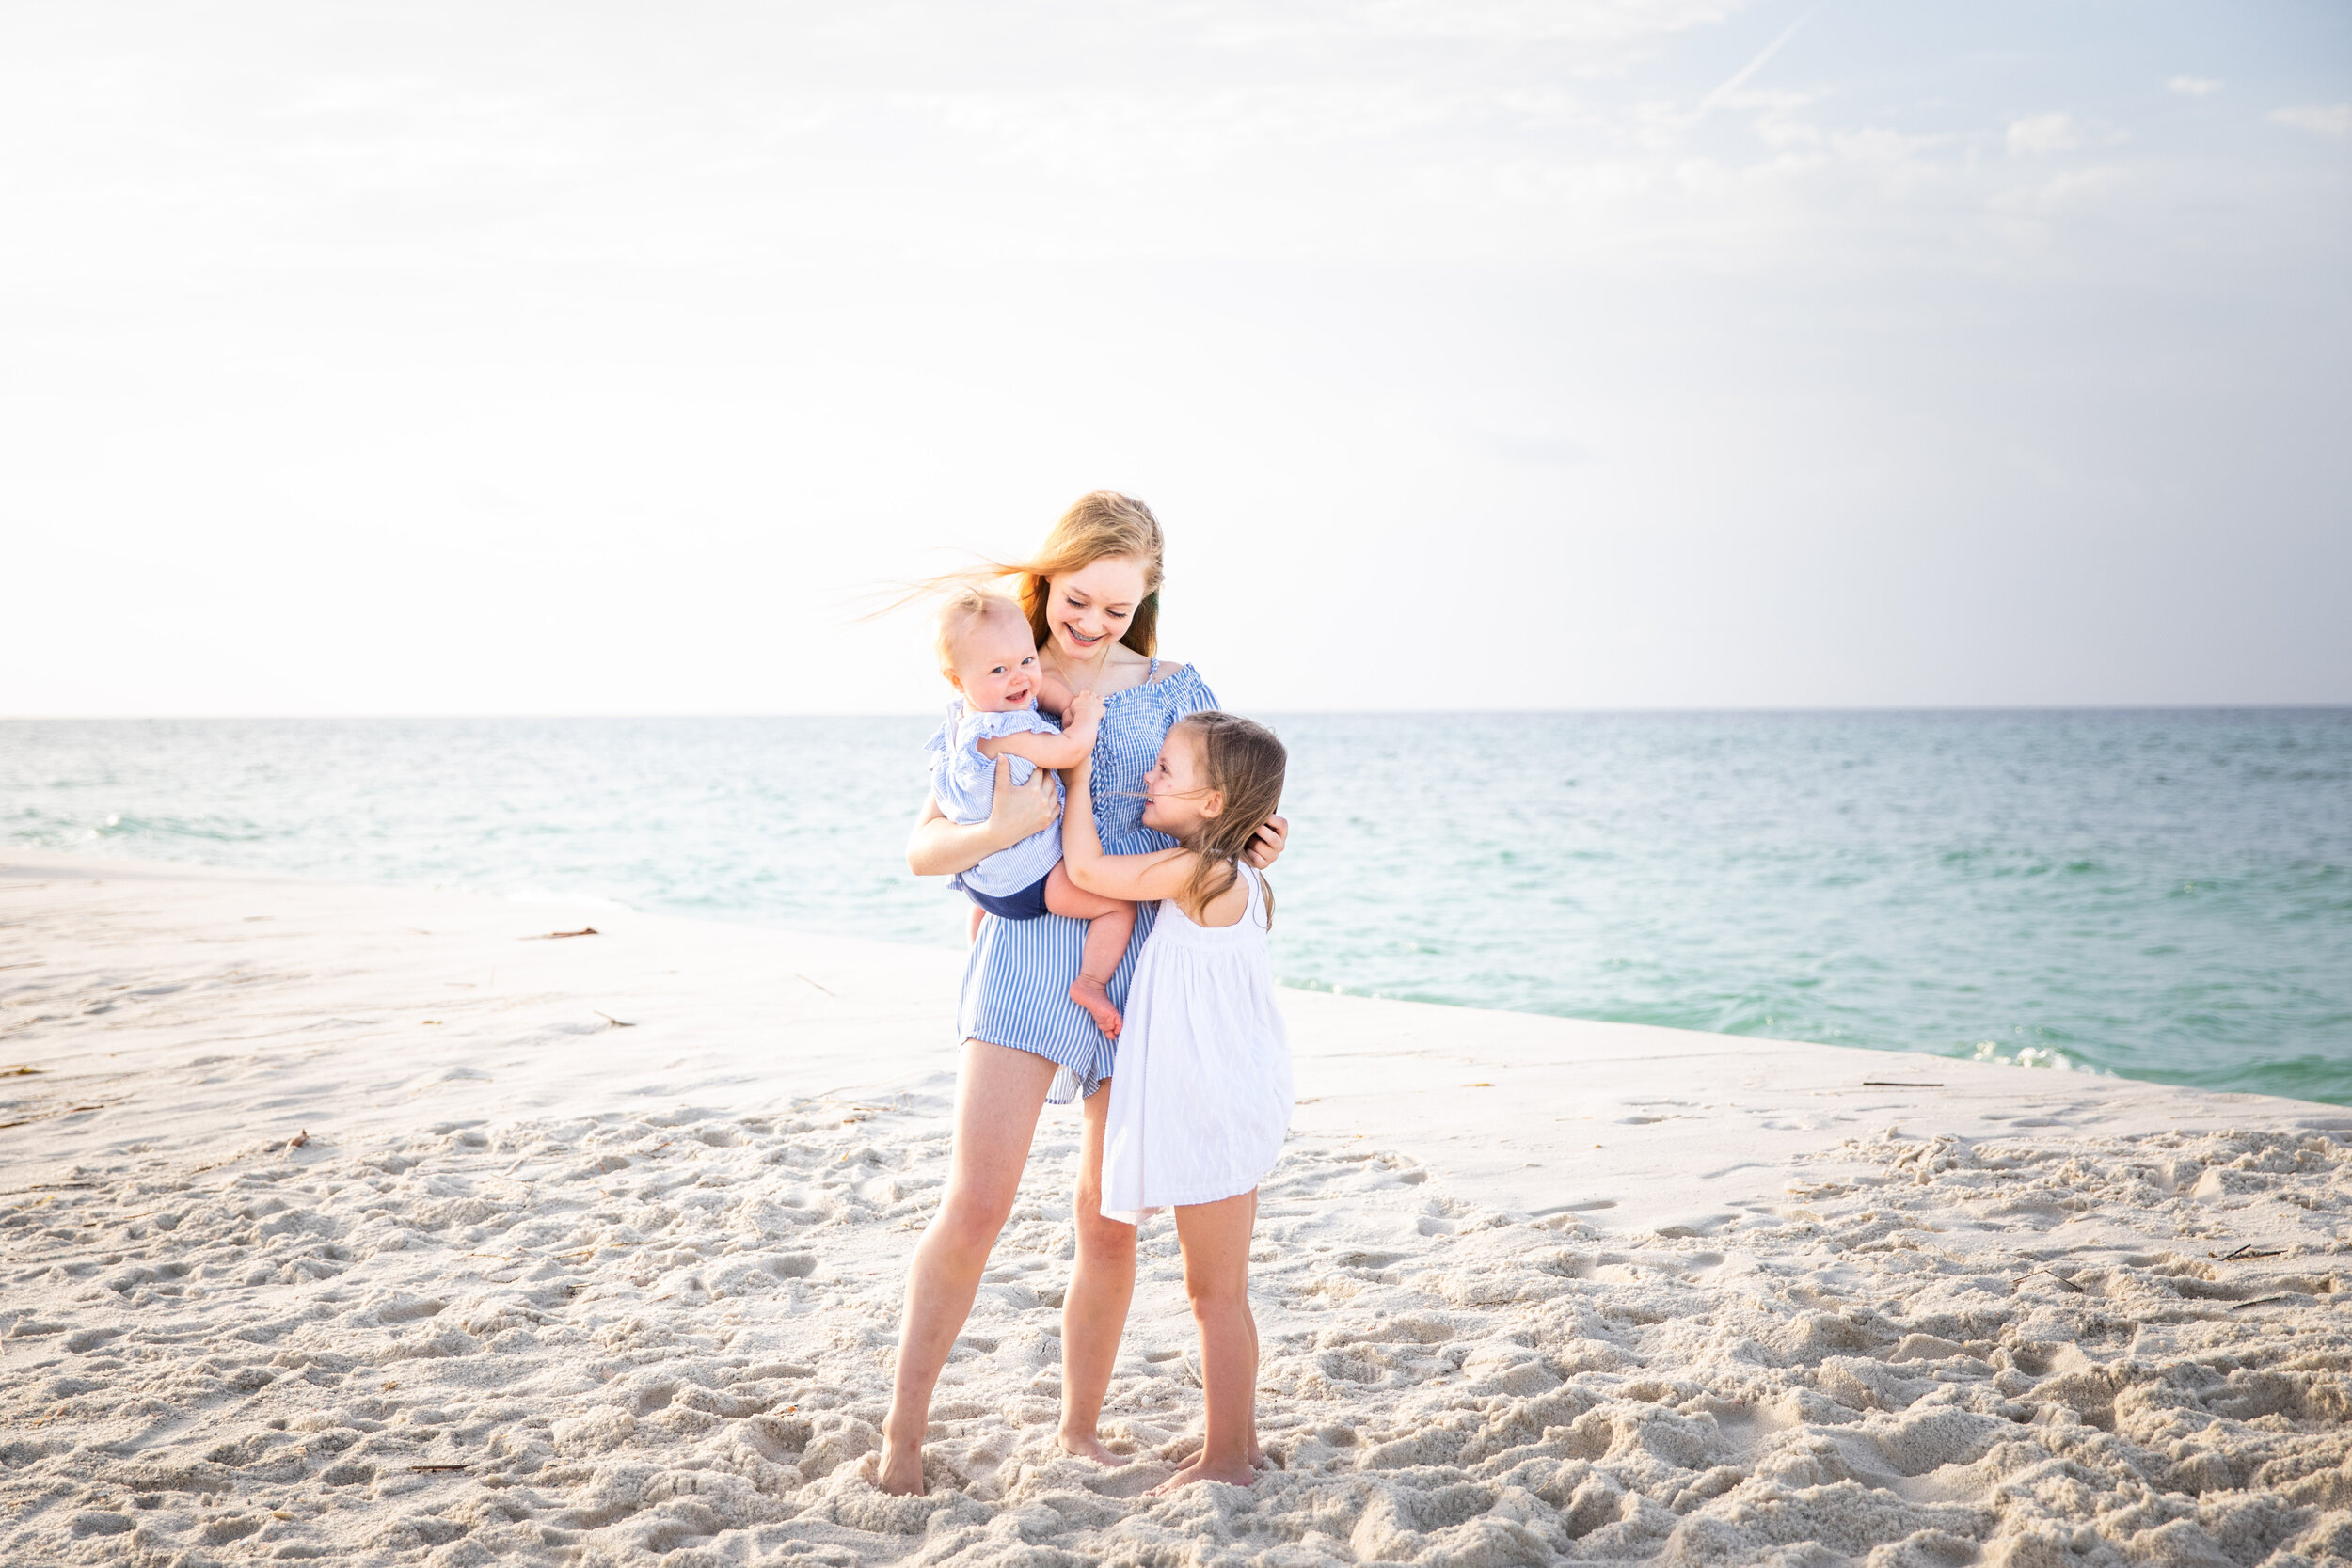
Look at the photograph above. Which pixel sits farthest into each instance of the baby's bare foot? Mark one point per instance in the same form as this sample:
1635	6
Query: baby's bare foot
900	1470
1257	1457
1090	995
1085	1445
1230	1473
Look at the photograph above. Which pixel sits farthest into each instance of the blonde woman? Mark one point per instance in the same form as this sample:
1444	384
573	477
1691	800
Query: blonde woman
1092	597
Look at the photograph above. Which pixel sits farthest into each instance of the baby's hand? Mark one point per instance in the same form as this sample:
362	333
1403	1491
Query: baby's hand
1086	710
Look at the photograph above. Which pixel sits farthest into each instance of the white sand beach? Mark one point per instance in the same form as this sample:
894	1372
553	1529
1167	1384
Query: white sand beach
383	1226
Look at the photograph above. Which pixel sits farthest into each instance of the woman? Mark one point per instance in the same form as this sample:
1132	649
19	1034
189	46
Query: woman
1092	597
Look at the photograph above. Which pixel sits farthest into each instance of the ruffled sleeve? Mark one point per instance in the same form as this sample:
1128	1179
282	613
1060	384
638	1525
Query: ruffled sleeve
1185	692
975	775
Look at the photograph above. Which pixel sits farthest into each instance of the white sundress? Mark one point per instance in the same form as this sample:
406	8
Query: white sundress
1200	1097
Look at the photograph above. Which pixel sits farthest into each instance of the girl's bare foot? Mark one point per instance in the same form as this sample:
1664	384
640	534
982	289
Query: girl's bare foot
1090	995
1229	1472
1085	1445
900	1469
1257	1456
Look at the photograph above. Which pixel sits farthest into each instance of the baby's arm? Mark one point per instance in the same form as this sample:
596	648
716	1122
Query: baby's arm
1066	750
1053	695
1139	877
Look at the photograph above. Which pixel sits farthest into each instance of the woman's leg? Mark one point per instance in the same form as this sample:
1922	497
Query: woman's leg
1101	1283
1215	1238
998	1094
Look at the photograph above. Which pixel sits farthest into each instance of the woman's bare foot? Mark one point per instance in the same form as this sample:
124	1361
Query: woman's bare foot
1090	995
899	1469
1085	1445
1227	1471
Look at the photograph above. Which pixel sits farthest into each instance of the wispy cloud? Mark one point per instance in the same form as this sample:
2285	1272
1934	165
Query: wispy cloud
2033	134
2328	119
2193	87
1740	77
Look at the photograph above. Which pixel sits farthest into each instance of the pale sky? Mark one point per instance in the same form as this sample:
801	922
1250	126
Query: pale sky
584	358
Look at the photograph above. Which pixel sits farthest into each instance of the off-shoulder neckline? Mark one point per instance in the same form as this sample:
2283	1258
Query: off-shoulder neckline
1161	679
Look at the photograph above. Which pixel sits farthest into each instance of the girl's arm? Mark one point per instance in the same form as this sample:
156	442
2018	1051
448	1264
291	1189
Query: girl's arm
939	847
1141	877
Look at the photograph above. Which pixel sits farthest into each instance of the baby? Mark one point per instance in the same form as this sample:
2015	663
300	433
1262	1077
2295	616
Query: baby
989	655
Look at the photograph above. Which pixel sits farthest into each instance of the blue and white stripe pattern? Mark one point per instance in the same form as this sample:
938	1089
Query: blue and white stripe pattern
964	783
1016	985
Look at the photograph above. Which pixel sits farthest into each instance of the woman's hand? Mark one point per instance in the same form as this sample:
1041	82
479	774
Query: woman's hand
940	847
1014	814
1267	847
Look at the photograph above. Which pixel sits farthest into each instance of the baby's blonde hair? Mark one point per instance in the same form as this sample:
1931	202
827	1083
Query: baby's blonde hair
967	607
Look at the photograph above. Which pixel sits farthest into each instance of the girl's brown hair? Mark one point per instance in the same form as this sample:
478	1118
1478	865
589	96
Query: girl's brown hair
1243	762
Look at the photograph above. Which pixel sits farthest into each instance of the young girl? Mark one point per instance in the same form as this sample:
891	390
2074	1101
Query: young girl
989	655
1202	1099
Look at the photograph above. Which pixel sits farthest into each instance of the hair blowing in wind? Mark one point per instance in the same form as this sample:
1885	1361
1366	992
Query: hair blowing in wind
1244	762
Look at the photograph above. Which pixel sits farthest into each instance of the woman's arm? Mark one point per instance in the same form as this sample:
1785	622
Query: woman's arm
940	847
1140	877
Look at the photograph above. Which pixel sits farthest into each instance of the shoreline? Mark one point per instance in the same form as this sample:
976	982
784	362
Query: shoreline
1479	1213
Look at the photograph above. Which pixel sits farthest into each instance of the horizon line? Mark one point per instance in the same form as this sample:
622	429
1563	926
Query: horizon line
2339	705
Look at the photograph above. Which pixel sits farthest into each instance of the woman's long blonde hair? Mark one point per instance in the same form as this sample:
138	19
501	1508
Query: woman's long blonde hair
1100	525
1244	762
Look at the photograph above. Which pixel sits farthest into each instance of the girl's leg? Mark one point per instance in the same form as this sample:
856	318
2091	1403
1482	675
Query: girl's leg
1109	923
1257	1452
1215	1238
1101	1285
998	1096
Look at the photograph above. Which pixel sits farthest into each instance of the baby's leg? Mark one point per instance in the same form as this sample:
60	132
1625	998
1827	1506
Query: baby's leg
1216	1242
974	934
1109	923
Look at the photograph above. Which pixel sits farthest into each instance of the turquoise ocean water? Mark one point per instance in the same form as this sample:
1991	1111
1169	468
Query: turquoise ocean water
2163	895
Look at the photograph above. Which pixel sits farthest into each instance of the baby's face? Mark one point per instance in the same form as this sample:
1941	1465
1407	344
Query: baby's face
995	665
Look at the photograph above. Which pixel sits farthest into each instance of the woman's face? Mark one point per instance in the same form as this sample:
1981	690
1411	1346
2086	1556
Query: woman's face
1088	610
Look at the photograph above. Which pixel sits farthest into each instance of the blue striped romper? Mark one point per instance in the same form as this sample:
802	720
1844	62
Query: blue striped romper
1016	984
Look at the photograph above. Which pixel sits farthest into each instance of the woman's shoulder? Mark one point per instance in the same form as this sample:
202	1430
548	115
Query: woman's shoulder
1164	676
1180	686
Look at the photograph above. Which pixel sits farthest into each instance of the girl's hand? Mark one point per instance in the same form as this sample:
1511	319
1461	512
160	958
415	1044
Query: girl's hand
1267	847
1014	814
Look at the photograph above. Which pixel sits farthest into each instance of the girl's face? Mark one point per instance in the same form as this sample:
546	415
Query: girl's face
1177	799
1091	608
